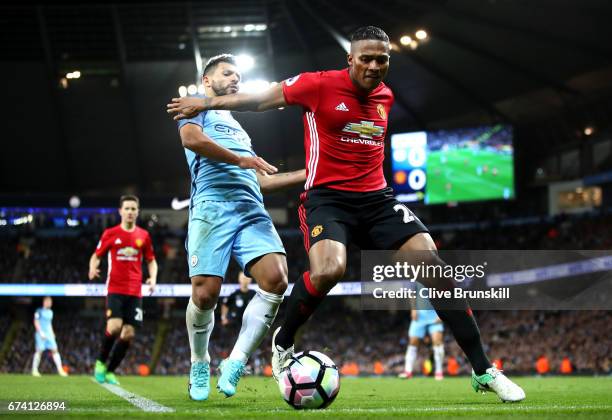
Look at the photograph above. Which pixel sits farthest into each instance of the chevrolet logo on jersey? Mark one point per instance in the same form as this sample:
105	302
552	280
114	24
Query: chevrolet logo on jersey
128	251
365	129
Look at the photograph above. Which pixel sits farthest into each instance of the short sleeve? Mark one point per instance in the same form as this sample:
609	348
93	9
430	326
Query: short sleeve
197	120
37	314
303	90
104	244
149	253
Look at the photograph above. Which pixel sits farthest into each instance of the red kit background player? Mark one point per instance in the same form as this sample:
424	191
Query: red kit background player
126	245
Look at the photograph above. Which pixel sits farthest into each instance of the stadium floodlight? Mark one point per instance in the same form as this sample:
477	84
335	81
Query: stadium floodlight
261	27
74	202
421	34
414	45
182	90
192	89
245	62
405	40
73	75
201	89
249	27
227	28
588	130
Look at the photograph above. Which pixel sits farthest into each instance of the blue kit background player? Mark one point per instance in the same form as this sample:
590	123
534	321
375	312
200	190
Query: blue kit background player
44	337
425	321
227	219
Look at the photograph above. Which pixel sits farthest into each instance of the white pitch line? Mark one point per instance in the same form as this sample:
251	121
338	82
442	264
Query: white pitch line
143	403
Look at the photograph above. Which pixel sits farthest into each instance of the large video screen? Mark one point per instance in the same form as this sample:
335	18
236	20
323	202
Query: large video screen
448	166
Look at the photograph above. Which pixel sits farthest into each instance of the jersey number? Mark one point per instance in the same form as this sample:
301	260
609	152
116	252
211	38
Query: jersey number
408	217
138	316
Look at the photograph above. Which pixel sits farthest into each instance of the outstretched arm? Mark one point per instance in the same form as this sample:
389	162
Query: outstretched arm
195	140
189	107
94	264
271	183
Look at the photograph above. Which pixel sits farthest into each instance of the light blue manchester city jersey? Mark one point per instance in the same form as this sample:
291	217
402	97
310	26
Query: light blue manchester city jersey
217	181
45	319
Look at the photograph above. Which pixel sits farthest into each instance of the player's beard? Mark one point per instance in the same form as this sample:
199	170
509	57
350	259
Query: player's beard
220	89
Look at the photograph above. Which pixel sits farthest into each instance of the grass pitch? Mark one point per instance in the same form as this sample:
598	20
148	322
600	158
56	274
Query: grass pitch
566	397
462	174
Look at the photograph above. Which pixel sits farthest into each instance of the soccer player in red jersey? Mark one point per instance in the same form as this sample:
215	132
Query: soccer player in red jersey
347	198
126	245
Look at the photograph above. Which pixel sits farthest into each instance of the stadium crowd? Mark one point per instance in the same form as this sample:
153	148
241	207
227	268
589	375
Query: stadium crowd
42	259
518	338
77	339
349	336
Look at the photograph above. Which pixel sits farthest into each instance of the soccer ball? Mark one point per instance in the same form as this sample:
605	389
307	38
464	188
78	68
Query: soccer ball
309	380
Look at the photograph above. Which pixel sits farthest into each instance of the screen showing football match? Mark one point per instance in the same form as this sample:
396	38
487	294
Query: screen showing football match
445	166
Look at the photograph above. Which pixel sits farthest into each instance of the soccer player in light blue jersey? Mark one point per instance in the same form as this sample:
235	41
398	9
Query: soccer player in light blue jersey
227	219
44	337
425	321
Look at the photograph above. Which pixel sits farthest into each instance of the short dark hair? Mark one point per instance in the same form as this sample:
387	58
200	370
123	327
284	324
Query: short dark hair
369	33
128	197
212	62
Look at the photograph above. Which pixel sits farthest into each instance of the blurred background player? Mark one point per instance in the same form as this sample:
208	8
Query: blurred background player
44	337
345	124
126	245
227	218
423	322
233	306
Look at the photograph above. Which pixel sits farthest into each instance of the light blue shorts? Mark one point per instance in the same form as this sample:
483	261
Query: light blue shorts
42	345
419	329
219	230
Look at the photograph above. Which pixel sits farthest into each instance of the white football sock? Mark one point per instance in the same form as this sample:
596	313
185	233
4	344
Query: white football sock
256	321
200	323
411	355
36	361
57	359
439	357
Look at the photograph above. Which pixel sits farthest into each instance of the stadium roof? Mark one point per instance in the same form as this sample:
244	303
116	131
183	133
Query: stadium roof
482	61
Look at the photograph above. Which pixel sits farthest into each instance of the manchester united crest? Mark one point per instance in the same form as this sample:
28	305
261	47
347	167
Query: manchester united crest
316	231
381	111
139	242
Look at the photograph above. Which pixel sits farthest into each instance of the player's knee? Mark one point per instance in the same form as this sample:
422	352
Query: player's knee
326	276
113	328
414	341
127	333
276	282
204	296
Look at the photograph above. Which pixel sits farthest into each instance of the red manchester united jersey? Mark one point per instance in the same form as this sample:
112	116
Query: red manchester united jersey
125	252
344	130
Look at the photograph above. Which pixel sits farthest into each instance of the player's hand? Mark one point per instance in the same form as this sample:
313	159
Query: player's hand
257	163
187	107
94	273
152	283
